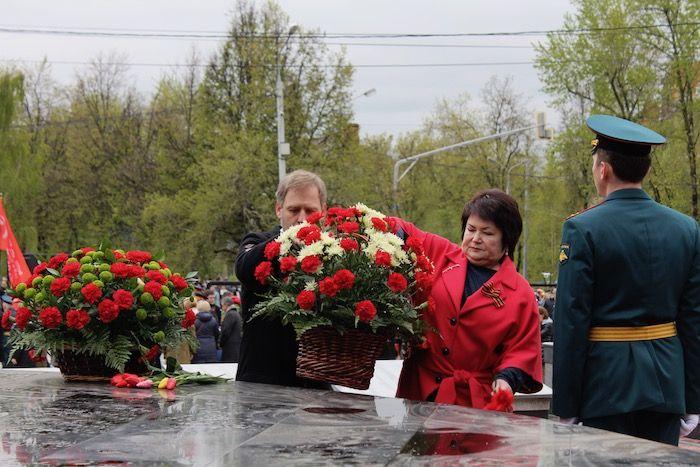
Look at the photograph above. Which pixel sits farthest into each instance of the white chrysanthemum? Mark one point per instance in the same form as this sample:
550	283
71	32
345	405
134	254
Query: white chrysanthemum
288	237
315	248
367	211
367	215
401	257
310	285
335	250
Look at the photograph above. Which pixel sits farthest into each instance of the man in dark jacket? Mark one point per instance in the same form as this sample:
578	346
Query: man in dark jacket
269	349
230	340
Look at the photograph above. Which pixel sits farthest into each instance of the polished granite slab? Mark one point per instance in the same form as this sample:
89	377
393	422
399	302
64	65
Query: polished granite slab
46	421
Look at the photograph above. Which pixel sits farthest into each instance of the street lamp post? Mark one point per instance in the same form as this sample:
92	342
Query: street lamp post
283	149
414	159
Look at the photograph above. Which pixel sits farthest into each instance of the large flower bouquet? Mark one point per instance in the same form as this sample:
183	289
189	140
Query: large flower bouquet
347	271
107	304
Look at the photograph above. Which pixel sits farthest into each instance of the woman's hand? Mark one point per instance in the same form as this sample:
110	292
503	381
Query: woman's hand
500	384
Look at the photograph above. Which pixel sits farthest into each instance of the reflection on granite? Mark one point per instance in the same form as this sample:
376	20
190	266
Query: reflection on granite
46	421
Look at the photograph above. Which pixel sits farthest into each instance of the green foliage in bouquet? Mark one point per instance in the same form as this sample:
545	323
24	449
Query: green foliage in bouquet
102	302
346	269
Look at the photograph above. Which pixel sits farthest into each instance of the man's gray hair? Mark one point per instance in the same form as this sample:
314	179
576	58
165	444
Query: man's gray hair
226	302
299	179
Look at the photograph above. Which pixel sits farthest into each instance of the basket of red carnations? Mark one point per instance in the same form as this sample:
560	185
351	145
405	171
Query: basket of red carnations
347	283
101	311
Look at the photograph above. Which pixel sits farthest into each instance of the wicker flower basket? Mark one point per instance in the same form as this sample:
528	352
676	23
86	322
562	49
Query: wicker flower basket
345	359
83	367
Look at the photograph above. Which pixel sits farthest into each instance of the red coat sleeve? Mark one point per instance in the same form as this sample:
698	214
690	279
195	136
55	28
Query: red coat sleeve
523	346
435	246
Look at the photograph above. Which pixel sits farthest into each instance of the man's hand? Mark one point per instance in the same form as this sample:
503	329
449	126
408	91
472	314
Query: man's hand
688	423
569	421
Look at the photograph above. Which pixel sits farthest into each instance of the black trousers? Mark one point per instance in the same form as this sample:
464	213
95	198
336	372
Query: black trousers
655	426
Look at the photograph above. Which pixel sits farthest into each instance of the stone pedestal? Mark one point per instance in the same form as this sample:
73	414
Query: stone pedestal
44	420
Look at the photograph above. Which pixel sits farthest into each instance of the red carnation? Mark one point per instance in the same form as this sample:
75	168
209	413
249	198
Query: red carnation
415	244
344	279
309	234
60	286
263	271
424	281
382	258
154	288
136	271
163	265
39	268
379	224
118	254
314	217
349	227
424	263
287	264
137	256
50	317
91	292
123	298
6	324
397	282
272	249
157	276
306	299
328	287
108	310
77	319
87	250
22	317
58	260
189	319
391	222
311	264
179	283
70	270
120	270
365	310
349	244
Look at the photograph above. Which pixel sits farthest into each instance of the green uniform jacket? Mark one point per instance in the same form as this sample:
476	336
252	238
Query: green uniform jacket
628	261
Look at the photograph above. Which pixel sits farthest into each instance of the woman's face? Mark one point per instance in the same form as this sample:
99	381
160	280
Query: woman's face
483	242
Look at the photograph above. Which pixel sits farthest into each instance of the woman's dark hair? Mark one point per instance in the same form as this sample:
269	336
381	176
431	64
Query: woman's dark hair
495	206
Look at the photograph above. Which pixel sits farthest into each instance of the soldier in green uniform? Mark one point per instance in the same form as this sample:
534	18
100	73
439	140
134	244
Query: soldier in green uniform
627	327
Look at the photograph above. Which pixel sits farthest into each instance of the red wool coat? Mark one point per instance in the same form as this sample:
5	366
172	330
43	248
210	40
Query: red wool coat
475	341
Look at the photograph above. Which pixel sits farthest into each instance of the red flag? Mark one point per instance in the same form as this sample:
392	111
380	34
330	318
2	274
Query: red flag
16	265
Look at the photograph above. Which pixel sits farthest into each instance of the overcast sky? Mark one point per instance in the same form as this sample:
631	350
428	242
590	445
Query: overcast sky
404	97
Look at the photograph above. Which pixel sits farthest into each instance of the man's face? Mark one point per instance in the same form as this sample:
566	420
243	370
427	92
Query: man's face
298	204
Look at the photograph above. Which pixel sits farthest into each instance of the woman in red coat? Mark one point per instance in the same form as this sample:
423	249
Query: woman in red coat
484	316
